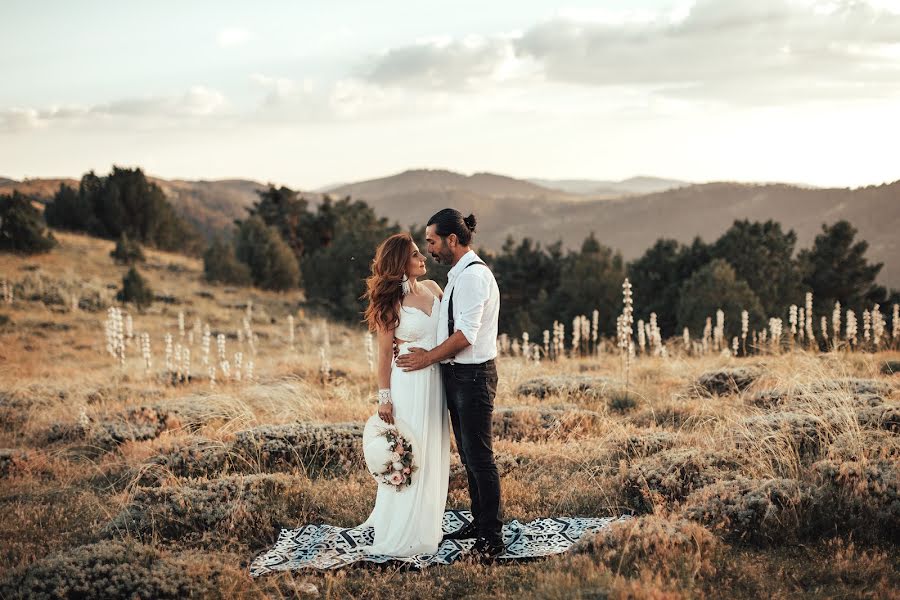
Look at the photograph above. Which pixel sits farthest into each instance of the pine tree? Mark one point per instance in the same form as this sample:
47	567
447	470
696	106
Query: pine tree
21	227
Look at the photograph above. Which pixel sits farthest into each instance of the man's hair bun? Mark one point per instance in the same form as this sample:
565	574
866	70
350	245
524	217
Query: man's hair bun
470	222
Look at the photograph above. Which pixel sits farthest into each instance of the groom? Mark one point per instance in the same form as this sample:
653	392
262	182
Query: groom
467	346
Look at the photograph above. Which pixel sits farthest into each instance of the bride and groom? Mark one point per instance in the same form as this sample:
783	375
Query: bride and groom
435	351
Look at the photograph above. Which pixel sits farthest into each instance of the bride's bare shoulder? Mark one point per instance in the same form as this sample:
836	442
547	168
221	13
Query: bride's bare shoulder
434	287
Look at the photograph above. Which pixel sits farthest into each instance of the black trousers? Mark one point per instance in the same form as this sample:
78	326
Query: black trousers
470	399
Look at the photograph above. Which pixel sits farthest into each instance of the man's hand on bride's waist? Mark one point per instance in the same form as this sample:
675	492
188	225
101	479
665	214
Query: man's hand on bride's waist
415	359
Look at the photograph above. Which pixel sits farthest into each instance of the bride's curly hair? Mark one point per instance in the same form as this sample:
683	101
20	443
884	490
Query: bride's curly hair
383	290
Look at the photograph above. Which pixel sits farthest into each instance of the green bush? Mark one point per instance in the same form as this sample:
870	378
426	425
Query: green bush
127	251
715	286
21	227
135	289
272	264
221	265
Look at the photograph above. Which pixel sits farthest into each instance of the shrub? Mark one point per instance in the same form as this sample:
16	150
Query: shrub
540	423
752	510
727	381
221	265
21	227
715	286
273	266
568	385
639	445
670	475
135	424
11	461
203	512
859	495
200	458
127	251
675	547
314	448
115	569
621	401
804	434
135	289
885	416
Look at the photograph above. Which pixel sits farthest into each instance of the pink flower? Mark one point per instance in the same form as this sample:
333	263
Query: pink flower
406	470
397	478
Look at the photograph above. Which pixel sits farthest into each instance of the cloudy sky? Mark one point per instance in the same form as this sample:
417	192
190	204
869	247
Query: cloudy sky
311	93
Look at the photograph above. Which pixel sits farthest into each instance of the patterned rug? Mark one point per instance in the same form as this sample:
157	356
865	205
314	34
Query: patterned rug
329	547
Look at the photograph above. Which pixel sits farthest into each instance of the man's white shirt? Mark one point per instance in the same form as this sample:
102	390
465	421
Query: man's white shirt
476	309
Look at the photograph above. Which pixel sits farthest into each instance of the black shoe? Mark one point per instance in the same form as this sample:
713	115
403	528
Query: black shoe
487	552
467	532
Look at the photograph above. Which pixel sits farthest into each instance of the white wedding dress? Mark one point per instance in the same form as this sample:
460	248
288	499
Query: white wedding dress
409	522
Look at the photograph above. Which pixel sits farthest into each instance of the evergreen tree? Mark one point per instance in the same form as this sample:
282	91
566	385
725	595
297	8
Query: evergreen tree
135	289
221	265
656	278
836	269
21	227
127	251
528	276
712	287
123	202
590	279
272	263
338	257
762	255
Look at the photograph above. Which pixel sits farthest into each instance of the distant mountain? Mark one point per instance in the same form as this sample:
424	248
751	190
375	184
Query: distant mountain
441	181
632	185
39	188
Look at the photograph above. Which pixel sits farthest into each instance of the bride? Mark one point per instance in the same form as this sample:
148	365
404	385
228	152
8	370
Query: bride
408	522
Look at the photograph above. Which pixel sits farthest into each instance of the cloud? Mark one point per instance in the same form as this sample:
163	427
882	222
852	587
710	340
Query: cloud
447	64
760	52
766	50
232	36
198	101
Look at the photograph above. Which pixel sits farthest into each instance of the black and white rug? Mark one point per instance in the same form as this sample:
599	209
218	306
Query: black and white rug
329	547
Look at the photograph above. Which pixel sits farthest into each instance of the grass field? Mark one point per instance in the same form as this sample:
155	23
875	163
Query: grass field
115	482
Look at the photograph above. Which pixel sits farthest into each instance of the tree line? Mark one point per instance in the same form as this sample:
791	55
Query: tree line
285	243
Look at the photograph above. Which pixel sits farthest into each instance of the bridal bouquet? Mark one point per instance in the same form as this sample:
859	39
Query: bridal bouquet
399	468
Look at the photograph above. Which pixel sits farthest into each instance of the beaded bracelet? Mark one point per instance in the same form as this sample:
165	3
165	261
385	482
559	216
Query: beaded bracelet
384	396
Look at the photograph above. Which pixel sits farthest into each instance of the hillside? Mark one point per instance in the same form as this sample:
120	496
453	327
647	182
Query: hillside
436	181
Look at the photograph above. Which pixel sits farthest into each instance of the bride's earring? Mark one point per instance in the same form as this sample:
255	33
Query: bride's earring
404	285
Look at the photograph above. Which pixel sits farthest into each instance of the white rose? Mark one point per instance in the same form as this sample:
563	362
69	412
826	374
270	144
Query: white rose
395	457
398	466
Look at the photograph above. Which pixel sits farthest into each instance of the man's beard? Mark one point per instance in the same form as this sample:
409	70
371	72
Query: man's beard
443	260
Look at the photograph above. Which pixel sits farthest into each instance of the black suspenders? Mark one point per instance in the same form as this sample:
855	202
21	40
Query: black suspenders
450	319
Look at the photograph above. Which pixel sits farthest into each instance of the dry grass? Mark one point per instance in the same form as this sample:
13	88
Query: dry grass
108	470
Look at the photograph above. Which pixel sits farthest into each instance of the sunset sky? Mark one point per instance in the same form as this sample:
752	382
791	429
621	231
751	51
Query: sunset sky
311	93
